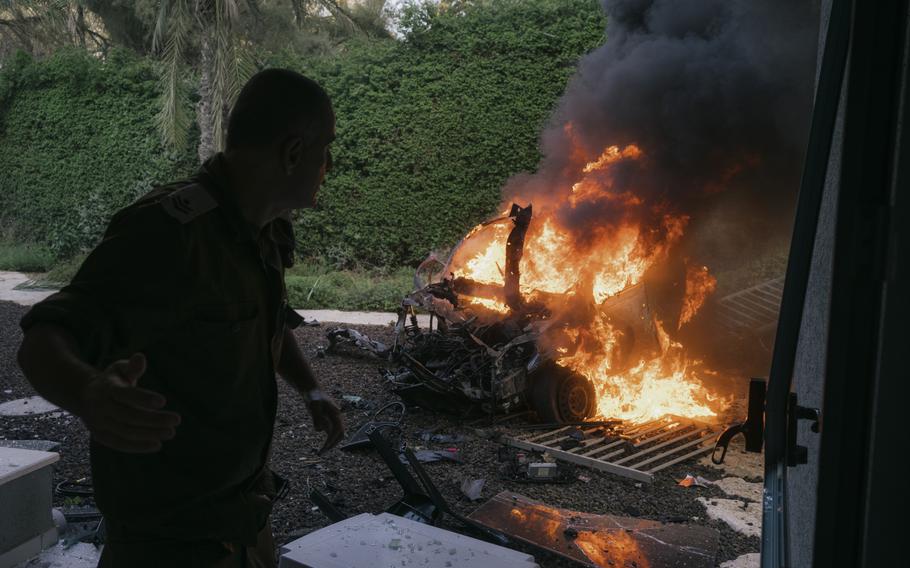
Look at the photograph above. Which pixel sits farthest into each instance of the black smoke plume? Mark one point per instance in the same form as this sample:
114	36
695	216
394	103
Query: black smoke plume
717	95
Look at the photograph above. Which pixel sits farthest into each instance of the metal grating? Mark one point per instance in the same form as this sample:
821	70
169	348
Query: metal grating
755	308
634	451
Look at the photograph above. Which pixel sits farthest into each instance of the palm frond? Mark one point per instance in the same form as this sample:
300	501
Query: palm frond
161	24
231	67
173	119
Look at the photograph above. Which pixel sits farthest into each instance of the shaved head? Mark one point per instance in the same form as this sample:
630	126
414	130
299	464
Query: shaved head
276	104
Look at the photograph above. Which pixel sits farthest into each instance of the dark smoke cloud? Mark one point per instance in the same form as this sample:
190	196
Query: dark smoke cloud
716	93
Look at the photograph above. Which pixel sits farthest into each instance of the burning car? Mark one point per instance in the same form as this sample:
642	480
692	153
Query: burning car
526	315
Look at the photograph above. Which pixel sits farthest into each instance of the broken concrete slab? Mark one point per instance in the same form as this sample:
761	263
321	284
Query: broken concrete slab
599	540
741	516
369	540
39	445
27	407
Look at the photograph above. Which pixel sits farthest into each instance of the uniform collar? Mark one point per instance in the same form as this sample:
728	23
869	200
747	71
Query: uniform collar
280	232
213	175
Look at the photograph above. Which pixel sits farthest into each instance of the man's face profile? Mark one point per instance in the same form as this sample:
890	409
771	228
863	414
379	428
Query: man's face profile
305	166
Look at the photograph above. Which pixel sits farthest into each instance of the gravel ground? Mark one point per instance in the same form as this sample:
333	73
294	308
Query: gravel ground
360	482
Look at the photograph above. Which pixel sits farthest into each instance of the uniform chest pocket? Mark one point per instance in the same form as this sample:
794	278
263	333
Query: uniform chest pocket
224	326
223	356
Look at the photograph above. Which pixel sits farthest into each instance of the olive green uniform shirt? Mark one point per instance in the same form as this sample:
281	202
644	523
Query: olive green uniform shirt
180	277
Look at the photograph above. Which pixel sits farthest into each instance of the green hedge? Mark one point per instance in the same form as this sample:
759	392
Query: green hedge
429	129
77	142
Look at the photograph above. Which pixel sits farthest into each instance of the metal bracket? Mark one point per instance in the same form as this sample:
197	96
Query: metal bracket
753	429
796	454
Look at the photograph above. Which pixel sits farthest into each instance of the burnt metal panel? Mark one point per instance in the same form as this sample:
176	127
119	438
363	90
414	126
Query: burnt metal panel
606	541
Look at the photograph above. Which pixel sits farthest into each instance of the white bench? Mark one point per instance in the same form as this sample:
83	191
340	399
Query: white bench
26	498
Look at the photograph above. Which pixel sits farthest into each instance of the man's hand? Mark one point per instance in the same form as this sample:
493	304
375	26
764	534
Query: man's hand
326	418
121	415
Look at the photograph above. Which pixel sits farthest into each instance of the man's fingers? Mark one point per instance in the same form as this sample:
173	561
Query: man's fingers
331	424
130	446
130	370
135	368
144	417
138	397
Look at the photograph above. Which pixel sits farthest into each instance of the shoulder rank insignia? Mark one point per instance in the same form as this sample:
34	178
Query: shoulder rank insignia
187	203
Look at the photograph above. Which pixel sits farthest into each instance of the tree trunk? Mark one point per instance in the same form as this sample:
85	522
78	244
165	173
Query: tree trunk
205	109
122	25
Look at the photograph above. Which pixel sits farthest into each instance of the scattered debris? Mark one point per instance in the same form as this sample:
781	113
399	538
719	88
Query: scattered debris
543	470
422	501
349	401
351	337
428	436
694	481
533	467
472	488
429	456
487	434
390	427
599	540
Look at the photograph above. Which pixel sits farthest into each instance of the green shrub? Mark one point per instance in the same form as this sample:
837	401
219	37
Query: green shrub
24	257
77	142
430	128
314	285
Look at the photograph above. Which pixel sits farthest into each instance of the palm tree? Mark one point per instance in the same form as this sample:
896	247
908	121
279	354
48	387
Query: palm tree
41	26
213	29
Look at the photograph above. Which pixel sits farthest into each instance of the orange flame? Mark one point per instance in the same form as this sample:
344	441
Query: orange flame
699	285
492	305
561	268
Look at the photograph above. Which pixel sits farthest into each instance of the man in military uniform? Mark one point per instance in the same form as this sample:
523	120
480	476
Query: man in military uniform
167	341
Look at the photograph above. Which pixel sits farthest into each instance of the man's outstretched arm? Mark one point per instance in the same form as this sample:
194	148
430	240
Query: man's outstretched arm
293	367
119	414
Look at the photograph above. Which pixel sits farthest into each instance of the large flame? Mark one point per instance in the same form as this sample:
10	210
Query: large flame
699	285
557	263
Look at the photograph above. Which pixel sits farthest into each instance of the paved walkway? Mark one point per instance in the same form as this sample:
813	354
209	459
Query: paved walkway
9	281
8	291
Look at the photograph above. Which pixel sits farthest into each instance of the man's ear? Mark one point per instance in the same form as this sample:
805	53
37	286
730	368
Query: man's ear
292	151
